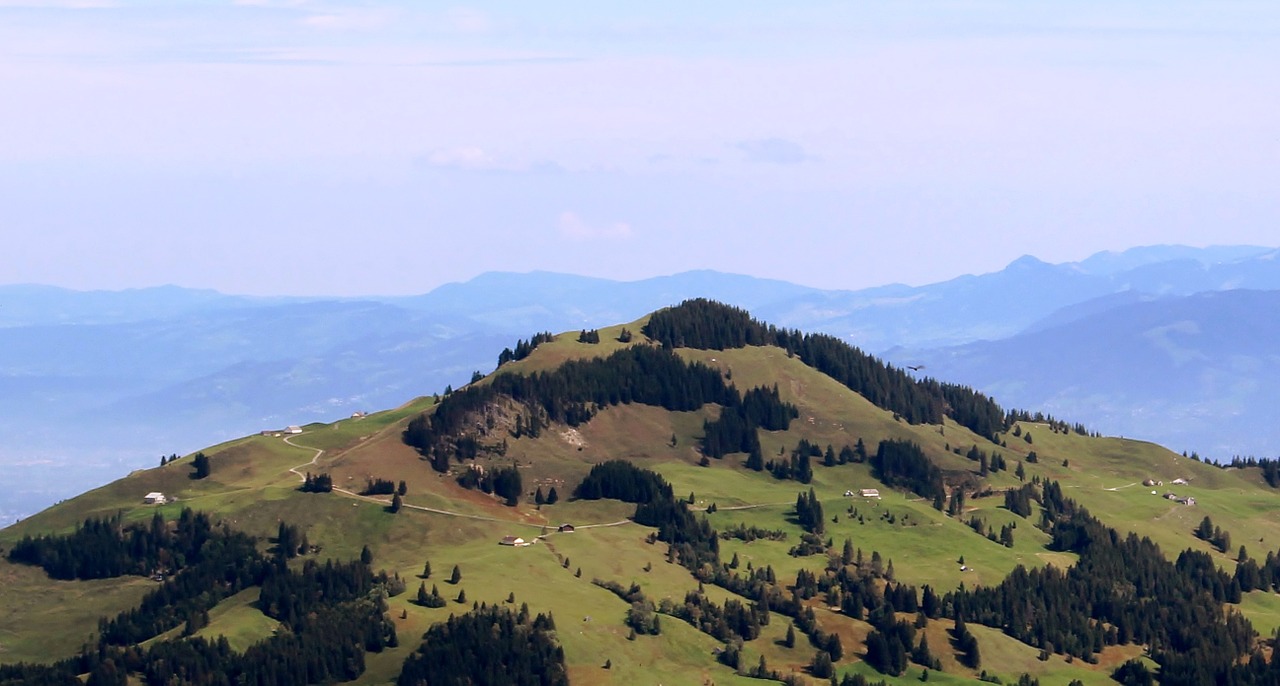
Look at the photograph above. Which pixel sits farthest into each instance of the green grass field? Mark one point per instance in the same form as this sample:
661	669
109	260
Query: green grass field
252	489
42	619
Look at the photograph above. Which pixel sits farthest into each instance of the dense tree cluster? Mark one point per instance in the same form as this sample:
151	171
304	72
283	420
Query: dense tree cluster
523	348
200	467
489	646
734	431
1121	590
902	463
290	542
966	643
106	548
228	566
621	480
331	647
976	411
891	645
1018	500
432	599
799	466
810	544
374	486
293	596
504	482
809	513
590	336
732	620
320	483
331	615
571	394
692	542
1270	468
709	325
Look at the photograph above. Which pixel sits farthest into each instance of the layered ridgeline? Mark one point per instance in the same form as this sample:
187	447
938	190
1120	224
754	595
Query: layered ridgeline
695	497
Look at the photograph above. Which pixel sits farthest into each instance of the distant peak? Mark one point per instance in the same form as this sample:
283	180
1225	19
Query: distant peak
1027	262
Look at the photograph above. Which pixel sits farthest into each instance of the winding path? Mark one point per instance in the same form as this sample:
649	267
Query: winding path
319	452
450	513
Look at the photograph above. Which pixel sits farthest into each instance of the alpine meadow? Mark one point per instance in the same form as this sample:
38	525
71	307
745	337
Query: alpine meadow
695	497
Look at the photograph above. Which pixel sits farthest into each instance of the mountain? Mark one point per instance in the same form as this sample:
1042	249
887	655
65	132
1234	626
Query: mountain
1110	263
1001	304
843	518
1175	369
109	381
37	305
541	299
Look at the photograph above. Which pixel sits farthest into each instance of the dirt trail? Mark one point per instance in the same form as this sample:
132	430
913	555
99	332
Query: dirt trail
450	513
387	501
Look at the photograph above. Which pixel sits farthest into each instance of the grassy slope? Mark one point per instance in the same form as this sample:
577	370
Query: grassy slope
252	488
41	619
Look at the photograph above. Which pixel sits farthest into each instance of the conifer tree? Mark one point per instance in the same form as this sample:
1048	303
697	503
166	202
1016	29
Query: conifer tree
201	466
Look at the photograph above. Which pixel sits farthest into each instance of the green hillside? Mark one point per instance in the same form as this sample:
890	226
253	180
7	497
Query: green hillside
253	487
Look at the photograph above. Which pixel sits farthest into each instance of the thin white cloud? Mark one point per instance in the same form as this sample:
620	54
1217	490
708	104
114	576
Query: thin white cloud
573	227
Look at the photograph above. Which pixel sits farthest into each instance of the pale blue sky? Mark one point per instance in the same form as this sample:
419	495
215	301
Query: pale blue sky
297	147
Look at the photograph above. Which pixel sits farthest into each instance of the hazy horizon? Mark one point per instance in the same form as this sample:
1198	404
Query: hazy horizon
302	147
478	275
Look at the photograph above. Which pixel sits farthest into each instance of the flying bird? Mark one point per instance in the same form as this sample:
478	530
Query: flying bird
915	368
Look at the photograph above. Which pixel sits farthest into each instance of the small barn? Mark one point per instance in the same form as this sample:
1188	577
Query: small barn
293	429
514	541
869	492
565	528
154	498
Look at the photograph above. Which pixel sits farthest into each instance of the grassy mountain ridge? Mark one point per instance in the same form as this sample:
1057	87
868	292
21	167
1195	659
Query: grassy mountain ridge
173	370
253	489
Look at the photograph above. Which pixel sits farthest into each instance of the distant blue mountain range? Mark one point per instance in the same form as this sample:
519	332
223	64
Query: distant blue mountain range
1169	343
